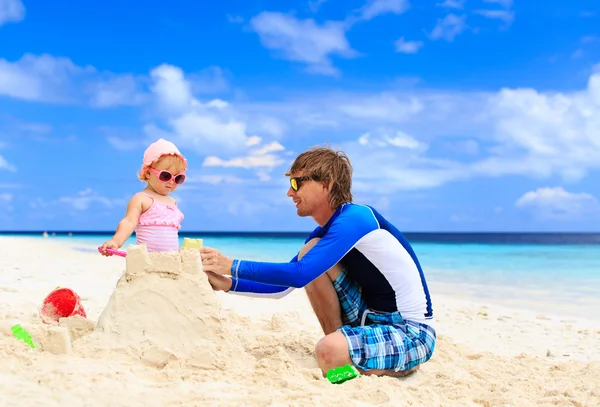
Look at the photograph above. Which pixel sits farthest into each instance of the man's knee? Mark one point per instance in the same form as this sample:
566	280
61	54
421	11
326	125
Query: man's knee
307	246
332	351
333	272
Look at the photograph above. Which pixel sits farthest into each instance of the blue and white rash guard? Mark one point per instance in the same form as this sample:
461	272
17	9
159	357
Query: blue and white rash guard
373	253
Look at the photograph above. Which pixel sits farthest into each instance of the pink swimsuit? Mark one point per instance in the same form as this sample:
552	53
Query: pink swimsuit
158	227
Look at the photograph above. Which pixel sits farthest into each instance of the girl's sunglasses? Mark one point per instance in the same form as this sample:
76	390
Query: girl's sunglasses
296	182
166	176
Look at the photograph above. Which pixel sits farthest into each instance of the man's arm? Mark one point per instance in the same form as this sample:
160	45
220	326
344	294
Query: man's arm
342	236
254	289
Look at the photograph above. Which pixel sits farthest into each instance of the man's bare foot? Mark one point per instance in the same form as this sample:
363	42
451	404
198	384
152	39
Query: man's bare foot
391	373
404	373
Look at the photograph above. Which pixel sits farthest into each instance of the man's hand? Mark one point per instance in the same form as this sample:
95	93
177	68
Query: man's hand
219	282
215	262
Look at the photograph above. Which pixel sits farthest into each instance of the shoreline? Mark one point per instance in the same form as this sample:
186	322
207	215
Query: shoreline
510	298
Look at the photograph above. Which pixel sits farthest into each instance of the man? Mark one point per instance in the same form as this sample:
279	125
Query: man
361	275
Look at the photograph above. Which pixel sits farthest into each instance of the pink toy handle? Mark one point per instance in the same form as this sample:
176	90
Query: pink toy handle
112	251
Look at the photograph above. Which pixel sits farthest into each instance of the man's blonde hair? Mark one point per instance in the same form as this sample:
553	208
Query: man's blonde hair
330	167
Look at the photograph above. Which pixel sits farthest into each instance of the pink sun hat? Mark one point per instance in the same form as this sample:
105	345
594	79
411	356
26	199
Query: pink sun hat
159	148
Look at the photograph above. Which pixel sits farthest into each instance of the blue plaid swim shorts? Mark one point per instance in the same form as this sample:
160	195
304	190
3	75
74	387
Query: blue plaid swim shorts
381	340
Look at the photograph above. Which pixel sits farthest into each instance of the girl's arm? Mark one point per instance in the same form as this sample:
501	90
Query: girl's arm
127	225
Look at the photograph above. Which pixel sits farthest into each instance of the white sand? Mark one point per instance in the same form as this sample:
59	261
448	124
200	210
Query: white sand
157	345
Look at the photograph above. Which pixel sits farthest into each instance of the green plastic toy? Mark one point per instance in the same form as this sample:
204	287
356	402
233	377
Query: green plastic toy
342	374
21	334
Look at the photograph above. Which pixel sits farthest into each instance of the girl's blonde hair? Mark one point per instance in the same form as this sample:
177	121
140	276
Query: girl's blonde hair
163	162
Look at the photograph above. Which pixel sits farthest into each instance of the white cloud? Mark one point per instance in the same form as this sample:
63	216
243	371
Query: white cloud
215	179
449	27
303	40
6	197
38	128
504	15
557	204
251	161
315	5
84	199
11	11
206	127
588	39
385	161
6	165
46	78
270	125
263	176
383	137
407	47
463	218
381	170
469	147
383	107
40	78
173	92
209	80
235	19
314	44
518	131
503	3
121	90
214	129
577	54
269	148
259	157
11	186
374	8
458	4
123	139
122	144
513	131
253	140
542	134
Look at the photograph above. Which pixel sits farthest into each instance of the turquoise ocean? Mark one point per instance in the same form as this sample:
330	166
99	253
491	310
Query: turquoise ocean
559	269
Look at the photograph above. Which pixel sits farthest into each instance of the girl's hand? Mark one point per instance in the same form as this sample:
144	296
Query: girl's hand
110	244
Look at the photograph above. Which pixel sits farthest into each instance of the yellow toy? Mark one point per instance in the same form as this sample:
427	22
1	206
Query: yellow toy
189	244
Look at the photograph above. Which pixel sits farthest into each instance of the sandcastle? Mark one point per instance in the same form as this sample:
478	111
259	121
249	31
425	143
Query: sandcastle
163	310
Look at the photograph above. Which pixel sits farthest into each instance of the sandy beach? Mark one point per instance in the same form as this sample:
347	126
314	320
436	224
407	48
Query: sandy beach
487	354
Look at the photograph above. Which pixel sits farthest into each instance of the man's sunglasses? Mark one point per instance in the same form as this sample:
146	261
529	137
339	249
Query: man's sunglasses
296	182
166	176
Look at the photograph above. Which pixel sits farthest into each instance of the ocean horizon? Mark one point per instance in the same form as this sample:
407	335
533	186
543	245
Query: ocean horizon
576	238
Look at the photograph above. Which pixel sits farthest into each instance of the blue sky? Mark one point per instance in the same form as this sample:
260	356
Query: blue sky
476	115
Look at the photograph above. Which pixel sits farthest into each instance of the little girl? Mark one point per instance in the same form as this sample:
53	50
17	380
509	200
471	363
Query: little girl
152	213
